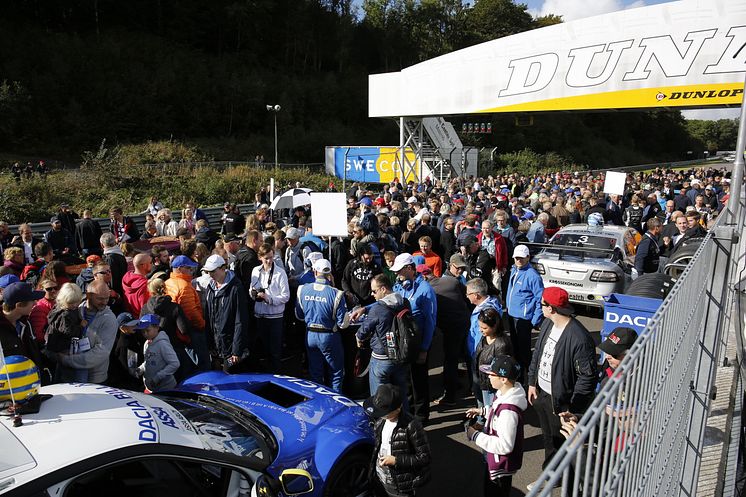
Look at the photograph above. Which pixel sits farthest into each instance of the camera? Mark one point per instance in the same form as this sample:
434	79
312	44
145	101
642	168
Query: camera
256	291
467	422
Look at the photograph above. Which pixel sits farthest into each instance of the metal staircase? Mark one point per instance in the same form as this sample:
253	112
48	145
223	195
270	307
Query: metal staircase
429	160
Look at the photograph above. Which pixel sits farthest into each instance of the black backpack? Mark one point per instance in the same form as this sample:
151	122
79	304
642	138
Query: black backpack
310	244
404	339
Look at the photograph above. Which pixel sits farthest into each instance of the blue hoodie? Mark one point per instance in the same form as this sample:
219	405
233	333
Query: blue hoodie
475	335
525	288
424	306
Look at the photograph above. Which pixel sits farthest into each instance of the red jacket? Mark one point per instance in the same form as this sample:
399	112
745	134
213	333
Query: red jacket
38	318
135	292
501	250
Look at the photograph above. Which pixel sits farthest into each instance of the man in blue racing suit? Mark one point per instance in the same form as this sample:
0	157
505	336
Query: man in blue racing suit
322	307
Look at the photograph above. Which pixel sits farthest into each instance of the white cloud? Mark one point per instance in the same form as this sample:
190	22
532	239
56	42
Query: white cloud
576	9
711	114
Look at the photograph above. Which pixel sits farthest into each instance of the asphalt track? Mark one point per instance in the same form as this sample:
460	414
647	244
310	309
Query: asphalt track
457	465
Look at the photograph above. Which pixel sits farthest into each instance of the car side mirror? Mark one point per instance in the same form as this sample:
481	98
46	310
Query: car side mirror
296	481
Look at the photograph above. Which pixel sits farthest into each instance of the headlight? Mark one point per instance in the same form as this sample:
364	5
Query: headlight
604	276
539	268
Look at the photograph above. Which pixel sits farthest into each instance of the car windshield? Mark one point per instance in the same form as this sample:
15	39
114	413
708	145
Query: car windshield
225	428
585	241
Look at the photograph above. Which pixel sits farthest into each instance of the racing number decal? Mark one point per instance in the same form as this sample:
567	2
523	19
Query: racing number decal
583	239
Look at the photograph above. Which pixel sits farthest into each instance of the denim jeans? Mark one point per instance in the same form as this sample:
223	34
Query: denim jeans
386	371
326	349
270	331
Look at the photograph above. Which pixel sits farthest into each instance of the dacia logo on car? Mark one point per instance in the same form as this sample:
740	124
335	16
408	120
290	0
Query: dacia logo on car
318	389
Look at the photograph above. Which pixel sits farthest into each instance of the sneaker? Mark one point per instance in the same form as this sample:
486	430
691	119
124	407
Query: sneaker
536	483
445	401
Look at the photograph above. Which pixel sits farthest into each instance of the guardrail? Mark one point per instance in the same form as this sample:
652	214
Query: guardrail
665	165
59	165
213	214
643	433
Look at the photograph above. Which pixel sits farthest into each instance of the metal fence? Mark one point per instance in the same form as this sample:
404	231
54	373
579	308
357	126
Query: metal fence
213	214
644	432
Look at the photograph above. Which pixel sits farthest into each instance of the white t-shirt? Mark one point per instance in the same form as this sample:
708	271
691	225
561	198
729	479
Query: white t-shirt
28	252
384	473
547	359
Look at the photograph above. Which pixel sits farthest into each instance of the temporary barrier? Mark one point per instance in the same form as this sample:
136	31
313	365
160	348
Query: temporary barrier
629	311
644	431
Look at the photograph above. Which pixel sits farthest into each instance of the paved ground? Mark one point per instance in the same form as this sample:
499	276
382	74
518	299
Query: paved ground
457	465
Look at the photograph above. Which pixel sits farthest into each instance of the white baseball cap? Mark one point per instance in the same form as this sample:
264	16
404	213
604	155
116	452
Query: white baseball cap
322	266
213	262
521	251
401	261
313	257
292	233
412	200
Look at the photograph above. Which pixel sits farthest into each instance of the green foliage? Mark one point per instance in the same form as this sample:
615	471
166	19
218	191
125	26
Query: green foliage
81	75
529	162
130	186
715	135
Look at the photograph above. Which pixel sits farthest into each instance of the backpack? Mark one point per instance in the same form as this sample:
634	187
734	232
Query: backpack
32	272
404	338
310	244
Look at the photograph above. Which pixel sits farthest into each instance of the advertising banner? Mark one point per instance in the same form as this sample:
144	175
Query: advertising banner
628	311
372	164
686	54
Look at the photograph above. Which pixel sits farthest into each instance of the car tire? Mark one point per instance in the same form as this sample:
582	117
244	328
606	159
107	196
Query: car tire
682	256
651	285
349	477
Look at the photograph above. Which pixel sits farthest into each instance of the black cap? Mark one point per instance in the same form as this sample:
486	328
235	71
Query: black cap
503	366
619	341
386	400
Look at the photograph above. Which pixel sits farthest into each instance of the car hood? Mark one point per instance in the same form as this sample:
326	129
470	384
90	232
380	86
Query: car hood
294	410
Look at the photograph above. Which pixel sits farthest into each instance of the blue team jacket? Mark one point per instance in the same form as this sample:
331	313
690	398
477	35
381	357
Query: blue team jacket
320	305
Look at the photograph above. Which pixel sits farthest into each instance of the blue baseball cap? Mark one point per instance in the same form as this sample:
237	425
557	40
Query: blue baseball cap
366	201
126	319
20	292
8	279
148	320
182	260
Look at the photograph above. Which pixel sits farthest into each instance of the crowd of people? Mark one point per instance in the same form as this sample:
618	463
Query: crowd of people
29	170
449	259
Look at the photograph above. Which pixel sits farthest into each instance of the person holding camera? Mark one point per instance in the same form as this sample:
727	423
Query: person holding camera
501	437
269	289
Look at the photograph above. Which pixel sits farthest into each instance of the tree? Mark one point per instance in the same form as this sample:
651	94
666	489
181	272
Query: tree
491	19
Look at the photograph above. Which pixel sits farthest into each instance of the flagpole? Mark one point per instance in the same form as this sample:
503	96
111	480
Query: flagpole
7	376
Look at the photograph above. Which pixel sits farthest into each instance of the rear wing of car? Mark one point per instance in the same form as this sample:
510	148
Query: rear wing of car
565	250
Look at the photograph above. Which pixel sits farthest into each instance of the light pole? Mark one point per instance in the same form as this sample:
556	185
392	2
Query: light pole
275	109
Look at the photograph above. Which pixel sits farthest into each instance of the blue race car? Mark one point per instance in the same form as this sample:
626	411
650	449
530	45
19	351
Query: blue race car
214	435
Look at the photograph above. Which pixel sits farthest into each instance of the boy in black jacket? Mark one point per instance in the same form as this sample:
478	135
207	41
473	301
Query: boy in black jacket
401	459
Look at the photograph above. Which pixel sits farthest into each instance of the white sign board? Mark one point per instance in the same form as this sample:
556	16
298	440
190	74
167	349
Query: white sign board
677	54
614	184
329	214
